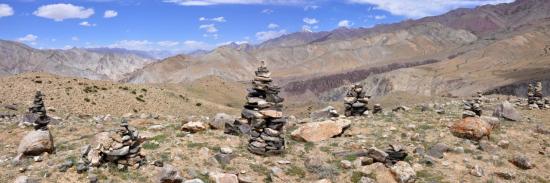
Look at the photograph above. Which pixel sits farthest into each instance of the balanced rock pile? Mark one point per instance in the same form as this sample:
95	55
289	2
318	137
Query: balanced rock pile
37	113
263	113
39	141
121	147
535	97
356	101
472	107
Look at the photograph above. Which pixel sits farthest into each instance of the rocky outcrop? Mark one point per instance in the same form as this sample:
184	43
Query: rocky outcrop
507	111
319	131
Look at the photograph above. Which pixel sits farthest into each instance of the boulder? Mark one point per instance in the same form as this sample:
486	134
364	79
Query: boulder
316	132
35	143
193	126
507	111
472	128
438	150
223	178
325	113
403	172
169	174
24	179
522	162
220	120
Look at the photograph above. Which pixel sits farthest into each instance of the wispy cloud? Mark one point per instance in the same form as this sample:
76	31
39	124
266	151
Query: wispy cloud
175	46
60	12
216	19
210	28
28	38
423	8
110	14
267	35
310	21
344	23
272	26
219	2
87	24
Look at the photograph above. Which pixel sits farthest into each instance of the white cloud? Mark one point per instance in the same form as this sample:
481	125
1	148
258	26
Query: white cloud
87	24
132	44
28	38
267	35
423	8
60	12
344	23
213	36
168	43
267	11
74	38
110	14
230	42
306	28
272	26
216	19
210	28
310	21
379	17
5	10
310	7
218	2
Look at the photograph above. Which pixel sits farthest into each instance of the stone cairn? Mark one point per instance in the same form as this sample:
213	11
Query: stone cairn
377	109
472	107
356	101
534	96
121	147
263	113
37	113
40	140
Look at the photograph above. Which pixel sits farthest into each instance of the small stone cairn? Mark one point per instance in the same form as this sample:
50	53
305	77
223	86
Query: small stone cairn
377	109
40	140
356	101
263	113
472	107
121	147
535	97
37	113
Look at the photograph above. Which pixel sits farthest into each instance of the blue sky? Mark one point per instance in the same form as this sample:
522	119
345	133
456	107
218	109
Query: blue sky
187	25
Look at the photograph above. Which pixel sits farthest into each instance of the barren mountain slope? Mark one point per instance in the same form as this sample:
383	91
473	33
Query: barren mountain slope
330	56
78	96
517	58
18	58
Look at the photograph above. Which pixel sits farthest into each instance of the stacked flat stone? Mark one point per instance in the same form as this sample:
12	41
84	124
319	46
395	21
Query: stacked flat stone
472	107
121	147
263	112
376	109
356	101
37	113
535	97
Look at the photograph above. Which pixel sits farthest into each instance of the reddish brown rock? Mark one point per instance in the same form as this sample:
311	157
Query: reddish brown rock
472	128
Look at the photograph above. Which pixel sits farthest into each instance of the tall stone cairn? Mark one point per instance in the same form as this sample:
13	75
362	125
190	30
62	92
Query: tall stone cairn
472	107
263	111
37	113
356	101
535	97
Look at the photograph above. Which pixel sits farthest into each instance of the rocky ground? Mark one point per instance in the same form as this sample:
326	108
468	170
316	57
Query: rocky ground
434	154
